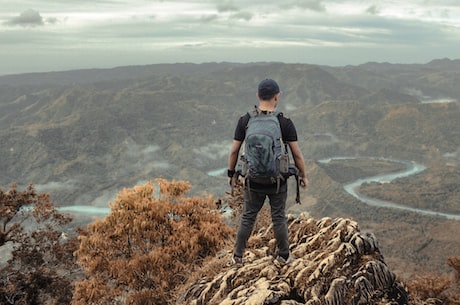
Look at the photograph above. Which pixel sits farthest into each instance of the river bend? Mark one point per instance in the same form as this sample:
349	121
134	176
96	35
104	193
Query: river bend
412	168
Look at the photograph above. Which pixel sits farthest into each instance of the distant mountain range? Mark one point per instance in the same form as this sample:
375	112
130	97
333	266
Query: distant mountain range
436	77
83	135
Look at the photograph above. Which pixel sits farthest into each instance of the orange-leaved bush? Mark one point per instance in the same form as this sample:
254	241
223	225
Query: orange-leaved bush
437	289
41	267
148	245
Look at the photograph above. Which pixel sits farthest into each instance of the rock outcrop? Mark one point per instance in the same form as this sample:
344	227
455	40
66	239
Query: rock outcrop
335	263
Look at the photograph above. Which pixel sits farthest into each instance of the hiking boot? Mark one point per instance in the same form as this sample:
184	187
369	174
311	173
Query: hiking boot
280	261
237	261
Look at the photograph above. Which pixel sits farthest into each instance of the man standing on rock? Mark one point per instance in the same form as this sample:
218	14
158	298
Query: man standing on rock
256	192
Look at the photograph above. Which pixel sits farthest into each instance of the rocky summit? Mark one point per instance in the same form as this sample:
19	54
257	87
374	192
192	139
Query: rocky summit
334	263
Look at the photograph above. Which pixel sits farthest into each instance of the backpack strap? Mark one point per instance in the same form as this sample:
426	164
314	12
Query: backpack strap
297	193
278	114
257	111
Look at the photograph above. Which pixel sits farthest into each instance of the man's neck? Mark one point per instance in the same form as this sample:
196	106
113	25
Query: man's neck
266	106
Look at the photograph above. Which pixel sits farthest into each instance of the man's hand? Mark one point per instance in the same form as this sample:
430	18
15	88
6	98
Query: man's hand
303	182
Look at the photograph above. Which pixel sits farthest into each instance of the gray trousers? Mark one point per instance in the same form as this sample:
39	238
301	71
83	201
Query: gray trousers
253	202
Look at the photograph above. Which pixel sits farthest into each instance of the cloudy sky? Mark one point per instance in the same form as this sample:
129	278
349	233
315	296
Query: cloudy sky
44	35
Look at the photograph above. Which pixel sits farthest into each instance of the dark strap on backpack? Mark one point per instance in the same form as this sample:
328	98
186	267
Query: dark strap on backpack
297	193
255	112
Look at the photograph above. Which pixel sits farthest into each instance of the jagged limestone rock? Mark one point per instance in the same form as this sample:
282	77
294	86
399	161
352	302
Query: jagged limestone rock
335	263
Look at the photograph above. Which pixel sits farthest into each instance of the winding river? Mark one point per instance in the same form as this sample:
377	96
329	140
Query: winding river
85	209
412	168
352	188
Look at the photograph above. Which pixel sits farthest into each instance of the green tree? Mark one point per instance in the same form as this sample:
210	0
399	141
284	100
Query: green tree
41	264
148	245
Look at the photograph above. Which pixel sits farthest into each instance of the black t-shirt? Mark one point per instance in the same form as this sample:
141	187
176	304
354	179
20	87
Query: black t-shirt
288	131
288	134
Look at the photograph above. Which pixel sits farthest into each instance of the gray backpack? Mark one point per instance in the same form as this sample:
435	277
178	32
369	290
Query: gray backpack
266	159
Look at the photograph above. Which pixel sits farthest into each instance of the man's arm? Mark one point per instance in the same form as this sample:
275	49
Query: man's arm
299	162
233	155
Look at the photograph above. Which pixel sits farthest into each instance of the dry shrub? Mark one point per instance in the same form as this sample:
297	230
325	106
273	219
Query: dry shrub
148	245
235	202
429	286
454	296
437	289
454	262
41	268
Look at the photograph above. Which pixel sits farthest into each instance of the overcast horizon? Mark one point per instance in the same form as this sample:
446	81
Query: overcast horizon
39	36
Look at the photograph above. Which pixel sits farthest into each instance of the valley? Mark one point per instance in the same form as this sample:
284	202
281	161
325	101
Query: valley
83	138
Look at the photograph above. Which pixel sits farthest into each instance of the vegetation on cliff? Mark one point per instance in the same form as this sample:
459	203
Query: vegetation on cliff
41	268
161	247
148	245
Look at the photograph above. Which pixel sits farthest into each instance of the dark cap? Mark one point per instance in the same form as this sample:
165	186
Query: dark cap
267	89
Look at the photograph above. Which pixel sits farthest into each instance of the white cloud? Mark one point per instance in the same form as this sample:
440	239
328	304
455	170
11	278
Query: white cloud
213	151
27	18
139	159
68	35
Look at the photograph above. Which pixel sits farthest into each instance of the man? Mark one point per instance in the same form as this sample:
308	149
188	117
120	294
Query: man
254	196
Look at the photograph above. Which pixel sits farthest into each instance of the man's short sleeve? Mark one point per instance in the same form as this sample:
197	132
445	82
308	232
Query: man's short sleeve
240	130
288	130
